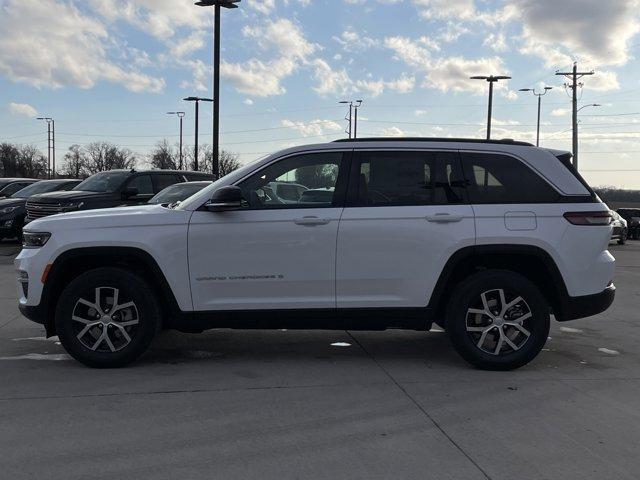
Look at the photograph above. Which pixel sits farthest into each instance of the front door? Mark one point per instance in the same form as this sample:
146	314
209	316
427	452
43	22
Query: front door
278	251
407	215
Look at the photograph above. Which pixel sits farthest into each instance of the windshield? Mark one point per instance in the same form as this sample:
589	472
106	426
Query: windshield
177	193
35	188
104	182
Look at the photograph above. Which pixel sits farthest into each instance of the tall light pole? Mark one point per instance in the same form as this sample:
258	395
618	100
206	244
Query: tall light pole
539	95
354	105
216	76
491	79
575	133
51	144
180	116
197	101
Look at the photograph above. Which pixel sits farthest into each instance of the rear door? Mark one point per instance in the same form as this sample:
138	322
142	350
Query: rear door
144	185
164	180
406	214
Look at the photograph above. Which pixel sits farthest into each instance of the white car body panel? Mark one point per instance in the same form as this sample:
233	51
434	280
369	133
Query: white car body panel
361	257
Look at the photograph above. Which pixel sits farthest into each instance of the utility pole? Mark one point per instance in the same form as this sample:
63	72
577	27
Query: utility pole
354	105
574	76
539	95
51	145
491	79
197	101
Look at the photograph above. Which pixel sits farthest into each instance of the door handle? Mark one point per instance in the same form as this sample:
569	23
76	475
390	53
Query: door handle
444	218
311	221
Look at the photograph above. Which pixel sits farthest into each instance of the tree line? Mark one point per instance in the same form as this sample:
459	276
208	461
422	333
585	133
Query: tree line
81	161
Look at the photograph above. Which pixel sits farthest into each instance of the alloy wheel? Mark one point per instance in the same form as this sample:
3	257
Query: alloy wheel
499	322
103	324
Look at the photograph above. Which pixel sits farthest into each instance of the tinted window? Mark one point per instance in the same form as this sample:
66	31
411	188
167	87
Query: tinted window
501	179
103	182
142	183
388	179
316	171
13	188
164	180
38	187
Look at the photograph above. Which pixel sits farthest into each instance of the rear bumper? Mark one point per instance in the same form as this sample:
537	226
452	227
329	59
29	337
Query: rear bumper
34	313
588	305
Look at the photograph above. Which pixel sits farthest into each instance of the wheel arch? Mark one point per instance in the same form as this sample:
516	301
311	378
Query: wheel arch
532	262
71	263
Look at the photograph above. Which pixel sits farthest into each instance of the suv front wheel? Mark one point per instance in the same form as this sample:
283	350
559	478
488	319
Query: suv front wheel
107	317
498	320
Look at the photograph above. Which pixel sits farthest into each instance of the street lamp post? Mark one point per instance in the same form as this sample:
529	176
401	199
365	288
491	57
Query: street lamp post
539	95
180	116
197	101
51	145
575	143
216	76
491	79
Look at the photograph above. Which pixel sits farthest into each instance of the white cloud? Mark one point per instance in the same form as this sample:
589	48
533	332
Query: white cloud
65	48
262	6
247	101
313	128
330	81
392	132
496	41
375	88
22	109
589	30
560	112
352	41
602	81
420	113
461	9
453	31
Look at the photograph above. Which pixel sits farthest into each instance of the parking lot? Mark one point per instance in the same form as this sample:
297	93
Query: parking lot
303	404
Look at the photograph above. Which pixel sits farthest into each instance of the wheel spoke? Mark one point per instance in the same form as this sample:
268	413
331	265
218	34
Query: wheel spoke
99	340
127	324
86	328
124	333
513	303
522	318
108	340
483	338
500	341
123	306
477	311
503	302
485	303
89	304
478	329
75	318
115	299
510	343
523	330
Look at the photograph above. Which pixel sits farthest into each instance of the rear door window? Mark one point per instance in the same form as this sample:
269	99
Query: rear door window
143	184
164	180
405	178
495	179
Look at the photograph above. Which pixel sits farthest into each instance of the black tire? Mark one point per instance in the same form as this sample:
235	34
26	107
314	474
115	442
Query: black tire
138	319
623	238
468	295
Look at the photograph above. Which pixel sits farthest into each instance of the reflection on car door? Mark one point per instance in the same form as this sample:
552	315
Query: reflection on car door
271	254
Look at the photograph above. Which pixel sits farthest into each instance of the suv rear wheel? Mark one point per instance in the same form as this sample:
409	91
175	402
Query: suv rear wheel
107	317
498	320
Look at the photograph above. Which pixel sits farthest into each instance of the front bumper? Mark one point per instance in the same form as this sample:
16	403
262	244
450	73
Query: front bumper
588	305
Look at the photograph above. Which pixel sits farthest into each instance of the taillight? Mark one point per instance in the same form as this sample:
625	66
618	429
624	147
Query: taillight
588	218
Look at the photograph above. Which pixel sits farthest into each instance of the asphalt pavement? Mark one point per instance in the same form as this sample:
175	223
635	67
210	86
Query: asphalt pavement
325	405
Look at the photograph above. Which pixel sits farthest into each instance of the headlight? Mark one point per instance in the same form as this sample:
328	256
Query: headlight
35	239
5	210
72	206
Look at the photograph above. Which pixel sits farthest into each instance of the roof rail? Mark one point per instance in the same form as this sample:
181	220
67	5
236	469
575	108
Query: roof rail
505	141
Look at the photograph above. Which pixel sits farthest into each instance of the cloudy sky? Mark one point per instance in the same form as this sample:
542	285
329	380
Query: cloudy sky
110	69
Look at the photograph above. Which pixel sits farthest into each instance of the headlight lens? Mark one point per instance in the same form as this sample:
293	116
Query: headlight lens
72	206
5	210
35	239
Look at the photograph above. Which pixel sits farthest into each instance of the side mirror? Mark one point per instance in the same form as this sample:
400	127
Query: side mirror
129	192
225	198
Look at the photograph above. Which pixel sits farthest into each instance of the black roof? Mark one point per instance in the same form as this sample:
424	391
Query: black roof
505	141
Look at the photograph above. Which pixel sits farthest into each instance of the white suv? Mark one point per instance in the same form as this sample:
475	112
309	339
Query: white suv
485	238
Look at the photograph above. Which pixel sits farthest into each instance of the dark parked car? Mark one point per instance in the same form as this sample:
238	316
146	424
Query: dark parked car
110	189
178	192
12	209
632	216
9	186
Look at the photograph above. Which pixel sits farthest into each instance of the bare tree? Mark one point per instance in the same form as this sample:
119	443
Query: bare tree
229	161
75	163
9	159
32	163
103	156
163	156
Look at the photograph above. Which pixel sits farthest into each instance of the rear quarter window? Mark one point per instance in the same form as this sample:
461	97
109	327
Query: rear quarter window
495	179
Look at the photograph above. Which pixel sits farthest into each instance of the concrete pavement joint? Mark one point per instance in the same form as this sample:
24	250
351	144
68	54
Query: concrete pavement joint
420	407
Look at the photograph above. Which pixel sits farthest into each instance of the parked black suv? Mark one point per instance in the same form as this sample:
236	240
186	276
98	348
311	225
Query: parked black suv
109	189
12	209
632	216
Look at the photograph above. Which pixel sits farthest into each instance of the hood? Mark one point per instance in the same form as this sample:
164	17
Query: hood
69	196
12	202
121	217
